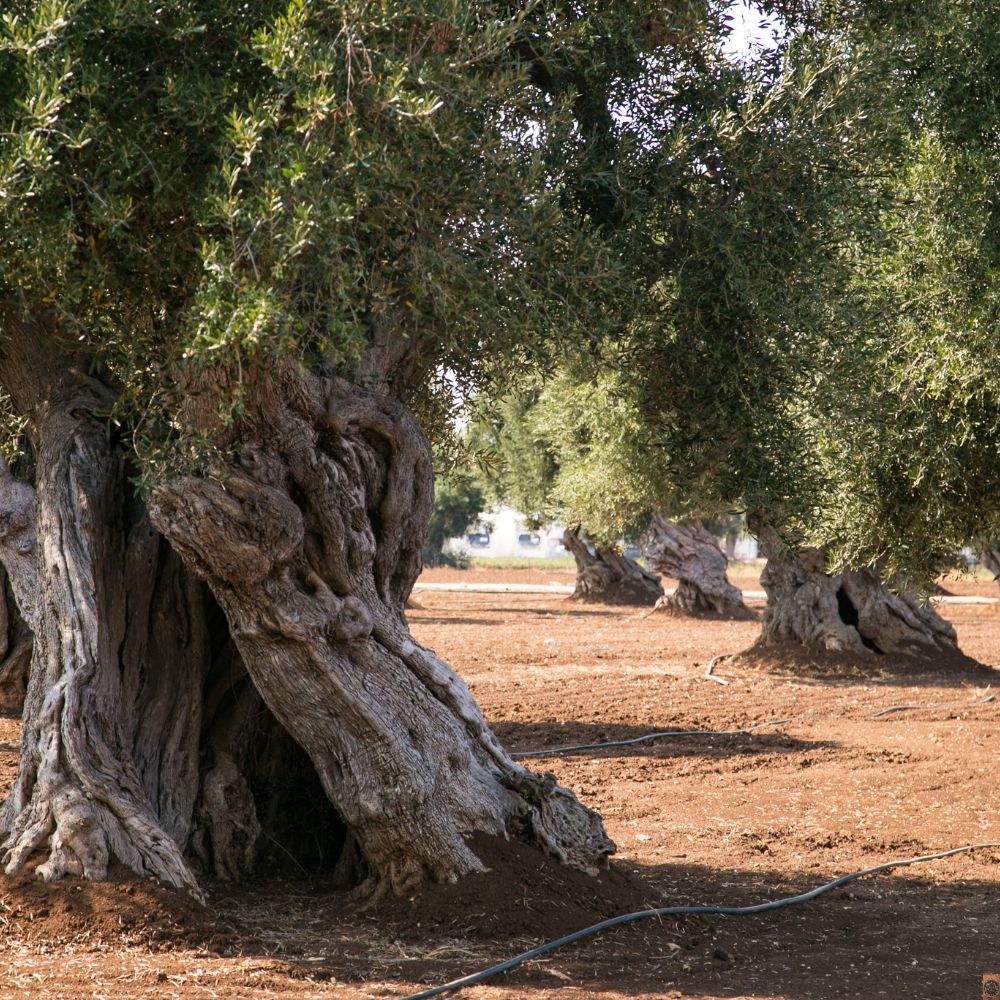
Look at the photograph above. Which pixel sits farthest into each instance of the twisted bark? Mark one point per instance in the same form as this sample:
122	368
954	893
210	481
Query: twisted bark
689	553
851	612
608	577
310	542
76	791
143	739
152	738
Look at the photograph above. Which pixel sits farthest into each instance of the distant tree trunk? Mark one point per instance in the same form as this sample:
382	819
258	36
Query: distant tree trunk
990	559
605	576
689	553
851	612
311	544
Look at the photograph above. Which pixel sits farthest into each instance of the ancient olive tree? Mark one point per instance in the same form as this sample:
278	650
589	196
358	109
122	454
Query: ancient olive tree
246	249
539	438
907	440
852	611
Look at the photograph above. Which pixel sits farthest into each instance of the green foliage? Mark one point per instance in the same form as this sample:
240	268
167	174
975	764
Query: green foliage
521	465
577	451
458	501
754	315
918	475
13	446
691	282
740	206
198	191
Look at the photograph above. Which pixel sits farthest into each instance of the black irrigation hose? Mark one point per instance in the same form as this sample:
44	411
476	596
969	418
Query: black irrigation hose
671	911
911	708
653	736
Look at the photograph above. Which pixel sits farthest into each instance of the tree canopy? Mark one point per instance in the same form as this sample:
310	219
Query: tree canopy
209	187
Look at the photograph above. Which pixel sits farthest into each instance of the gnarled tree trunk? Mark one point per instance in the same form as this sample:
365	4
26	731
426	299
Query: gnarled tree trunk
608	577
689	553
851	612
76	792
143	738
310	542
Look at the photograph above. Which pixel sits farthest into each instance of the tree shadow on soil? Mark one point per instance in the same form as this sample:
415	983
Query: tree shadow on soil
888	935
953	670
523	737
894	935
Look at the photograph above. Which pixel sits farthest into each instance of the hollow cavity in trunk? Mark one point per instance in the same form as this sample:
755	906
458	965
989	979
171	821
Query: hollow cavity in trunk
852	612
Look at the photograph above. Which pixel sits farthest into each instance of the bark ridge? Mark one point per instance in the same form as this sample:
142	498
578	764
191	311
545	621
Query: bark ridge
310	541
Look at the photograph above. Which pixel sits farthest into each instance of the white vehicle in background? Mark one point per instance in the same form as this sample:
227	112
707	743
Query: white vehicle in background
506	533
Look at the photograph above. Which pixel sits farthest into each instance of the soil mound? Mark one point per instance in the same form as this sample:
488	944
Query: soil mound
524	894
797	660
126	909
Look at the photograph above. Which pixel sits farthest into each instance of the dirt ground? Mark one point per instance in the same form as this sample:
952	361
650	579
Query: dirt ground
725	819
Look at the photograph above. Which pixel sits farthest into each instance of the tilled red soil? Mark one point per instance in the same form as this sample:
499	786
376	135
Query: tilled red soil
697	819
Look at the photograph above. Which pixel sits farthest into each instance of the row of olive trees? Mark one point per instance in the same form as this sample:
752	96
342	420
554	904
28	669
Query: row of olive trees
248	249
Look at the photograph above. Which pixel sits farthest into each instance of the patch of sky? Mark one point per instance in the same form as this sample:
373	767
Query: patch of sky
750	32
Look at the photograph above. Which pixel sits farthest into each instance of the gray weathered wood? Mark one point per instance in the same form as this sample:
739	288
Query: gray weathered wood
311	544
851	612
142	732
689	553
78	791
989	557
